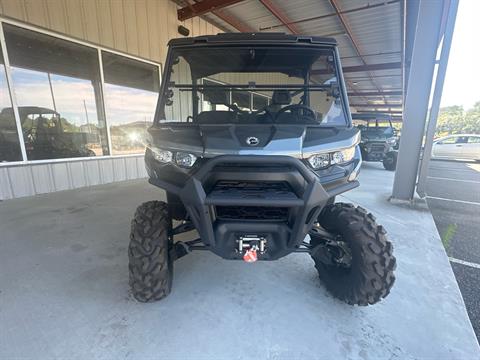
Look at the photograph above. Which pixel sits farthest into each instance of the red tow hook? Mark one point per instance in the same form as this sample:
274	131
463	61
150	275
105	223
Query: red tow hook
250	255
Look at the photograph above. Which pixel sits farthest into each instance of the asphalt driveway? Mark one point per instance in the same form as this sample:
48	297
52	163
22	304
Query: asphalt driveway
453	190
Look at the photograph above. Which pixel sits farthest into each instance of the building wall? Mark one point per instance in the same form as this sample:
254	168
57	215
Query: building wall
32	179
138	27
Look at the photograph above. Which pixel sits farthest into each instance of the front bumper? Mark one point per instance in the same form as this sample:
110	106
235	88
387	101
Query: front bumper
207	198
374	150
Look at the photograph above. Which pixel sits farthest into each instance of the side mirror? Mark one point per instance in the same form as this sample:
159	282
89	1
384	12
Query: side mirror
439	143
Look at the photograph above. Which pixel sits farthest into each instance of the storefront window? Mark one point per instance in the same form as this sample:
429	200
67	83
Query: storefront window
131	93
58	90
9	142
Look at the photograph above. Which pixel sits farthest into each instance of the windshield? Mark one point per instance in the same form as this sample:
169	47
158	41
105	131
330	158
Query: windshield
225	85
377	131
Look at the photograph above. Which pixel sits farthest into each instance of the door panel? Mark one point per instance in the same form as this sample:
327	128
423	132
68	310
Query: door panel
460	146
471	149
446	147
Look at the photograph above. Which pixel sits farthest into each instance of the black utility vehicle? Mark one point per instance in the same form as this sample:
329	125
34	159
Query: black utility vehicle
379	140
44	134
252	141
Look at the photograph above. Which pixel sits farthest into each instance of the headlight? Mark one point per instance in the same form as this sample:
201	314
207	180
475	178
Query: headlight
185	159
319	161
181	159
391	141
343	156
160	155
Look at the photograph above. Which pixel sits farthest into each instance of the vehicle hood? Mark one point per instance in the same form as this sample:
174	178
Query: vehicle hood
213	140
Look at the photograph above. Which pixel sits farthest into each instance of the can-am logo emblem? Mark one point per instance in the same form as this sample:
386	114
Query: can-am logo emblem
252	141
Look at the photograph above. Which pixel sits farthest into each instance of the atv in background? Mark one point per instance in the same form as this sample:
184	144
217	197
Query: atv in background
252	141
379	141
46	135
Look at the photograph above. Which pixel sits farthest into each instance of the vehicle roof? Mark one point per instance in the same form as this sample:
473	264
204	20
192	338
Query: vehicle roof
371	116
31	110
253	38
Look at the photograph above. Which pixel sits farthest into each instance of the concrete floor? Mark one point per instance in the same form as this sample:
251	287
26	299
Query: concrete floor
64	290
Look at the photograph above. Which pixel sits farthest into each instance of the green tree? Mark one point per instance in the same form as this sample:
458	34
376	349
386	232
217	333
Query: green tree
472	120
450	120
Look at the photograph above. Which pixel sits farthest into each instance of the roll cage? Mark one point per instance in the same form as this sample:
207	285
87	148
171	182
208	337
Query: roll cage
253	40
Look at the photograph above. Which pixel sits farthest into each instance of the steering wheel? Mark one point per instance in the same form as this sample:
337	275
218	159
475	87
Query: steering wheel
296	108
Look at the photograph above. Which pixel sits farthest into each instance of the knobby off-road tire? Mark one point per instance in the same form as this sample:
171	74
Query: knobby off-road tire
370	276
390	161
150	266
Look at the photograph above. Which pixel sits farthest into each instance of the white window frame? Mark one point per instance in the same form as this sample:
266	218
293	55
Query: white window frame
252	93
219	83
13	99
261	95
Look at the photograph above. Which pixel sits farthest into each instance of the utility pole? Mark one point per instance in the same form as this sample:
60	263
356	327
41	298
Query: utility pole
86	115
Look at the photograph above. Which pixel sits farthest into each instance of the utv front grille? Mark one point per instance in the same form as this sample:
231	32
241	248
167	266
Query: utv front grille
252	200
280	190
377	148
259	213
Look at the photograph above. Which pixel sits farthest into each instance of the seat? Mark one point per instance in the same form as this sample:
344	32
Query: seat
216	117
279	98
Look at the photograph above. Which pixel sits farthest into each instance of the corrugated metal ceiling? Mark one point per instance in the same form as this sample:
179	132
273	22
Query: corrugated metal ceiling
376	30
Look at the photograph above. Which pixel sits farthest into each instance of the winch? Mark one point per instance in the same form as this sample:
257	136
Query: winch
250	245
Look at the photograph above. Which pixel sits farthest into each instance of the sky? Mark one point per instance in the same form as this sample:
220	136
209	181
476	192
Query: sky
462	82
123	105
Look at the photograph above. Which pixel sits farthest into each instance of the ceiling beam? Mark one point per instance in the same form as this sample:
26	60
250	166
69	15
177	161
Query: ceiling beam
377	106
229	19
352	38
354	78
203	7
232	21
376	93
280	15
373	67
363	68
365	7
393	112
373	114
370	55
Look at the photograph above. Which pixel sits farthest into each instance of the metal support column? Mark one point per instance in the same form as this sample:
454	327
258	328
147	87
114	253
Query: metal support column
437	96
417	98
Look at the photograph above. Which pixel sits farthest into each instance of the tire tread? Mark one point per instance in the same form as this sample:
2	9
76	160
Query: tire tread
150	269
373	277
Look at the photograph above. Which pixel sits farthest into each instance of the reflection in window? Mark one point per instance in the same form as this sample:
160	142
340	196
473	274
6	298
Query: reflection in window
131	92
259	102
241	99
58	90
9	142
450	140
207	105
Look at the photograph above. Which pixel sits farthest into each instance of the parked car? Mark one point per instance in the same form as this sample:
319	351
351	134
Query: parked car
461	146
